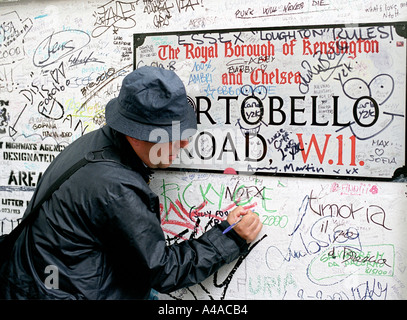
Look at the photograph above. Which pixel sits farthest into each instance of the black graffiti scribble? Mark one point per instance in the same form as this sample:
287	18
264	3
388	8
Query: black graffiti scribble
161	11
226	282
114	14
59	45
13	30
45	96
378	90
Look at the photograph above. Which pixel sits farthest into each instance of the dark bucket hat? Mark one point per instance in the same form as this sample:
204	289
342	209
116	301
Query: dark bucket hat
152	106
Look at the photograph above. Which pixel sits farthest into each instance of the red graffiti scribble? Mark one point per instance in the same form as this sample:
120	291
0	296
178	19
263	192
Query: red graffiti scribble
166	222
187	219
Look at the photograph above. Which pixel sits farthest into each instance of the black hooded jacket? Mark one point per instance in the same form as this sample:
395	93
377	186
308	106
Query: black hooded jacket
99	235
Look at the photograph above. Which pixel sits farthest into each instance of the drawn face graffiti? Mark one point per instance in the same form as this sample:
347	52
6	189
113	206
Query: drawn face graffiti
380	88
252	111
255	147
205	146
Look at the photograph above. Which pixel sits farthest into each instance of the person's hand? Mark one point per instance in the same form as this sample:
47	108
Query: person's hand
249	227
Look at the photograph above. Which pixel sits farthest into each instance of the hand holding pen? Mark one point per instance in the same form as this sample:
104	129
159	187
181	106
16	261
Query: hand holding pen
232	226
245	222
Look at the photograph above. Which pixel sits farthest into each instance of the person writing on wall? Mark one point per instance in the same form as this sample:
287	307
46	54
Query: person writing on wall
100	231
